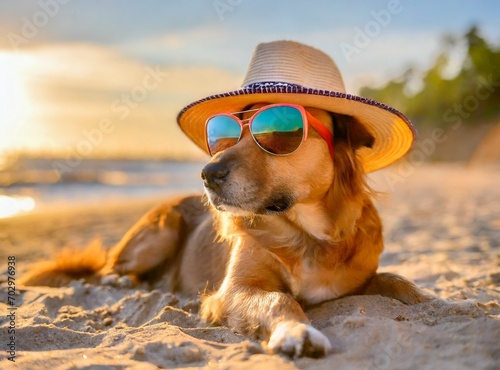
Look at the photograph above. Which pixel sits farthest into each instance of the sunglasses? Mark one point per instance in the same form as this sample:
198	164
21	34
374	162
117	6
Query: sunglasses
278	129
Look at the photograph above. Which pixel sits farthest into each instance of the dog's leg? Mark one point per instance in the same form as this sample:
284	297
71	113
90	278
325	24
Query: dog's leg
273	316
253	300
151	241
397	287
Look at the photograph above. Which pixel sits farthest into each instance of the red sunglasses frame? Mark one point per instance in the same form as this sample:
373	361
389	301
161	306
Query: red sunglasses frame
307	118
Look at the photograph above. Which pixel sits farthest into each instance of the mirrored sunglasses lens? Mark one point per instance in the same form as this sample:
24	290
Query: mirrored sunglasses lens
279	130
222	132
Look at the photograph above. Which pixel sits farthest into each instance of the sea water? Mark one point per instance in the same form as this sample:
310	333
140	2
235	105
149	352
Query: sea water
34	184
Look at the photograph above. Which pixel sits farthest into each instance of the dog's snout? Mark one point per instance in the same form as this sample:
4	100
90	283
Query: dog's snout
214	175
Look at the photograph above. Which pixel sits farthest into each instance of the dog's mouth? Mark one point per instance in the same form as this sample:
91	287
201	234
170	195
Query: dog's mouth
224	204
274	205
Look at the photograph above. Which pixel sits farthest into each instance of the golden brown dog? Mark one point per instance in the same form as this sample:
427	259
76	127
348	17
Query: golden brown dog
277	233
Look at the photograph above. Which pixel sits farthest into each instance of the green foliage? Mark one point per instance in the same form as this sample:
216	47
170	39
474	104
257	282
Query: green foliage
471	96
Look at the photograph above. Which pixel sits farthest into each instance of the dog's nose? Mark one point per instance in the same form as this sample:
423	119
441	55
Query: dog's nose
214	175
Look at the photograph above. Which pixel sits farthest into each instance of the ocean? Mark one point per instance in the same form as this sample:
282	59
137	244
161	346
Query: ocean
34	184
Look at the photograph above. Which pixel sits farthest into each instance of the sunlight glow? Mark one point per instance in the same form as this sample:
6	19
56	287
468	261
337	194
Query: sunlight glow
11	206
52	96
14	99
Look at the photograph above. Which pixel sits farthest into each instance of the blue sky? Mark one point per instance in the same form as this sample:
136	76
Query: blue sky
78	56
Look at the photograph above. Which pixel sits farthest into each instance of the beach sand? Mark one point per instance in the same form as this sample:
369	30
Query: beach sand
442	230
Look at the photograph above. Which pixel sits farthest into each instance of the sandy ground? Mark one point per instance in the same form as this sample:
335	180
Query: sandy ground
442	230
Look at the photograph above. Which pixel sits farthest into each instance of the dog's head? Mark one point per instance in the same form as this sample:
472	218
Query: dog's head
243	179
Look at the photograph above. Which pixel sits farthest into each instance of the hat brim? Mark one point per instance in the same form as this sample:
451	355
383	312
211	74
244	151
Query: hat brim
393	132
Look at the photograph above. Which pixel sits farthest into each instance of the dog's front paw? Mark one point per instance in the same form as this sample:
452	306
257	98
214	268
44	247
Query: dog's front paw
297	339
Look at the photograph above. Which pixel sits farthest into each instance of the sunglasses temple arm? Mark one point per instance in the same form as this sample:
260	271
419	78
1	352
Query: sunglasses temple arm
323	131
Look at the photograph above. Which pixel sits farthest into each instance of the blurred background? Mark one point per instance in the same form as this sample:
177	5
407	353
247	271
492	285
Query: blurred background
89	91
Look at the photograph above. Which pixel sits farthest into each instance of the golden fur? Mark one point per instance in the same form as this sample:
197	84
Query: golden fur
277	233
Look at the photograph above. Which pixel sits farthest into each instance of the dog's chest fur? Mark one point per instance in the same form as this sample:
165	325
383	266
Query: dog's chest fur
317	284
311	260
315	278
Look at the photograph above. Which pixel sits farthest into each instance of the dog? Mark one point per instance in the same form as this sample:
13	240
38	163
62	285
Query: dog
270	236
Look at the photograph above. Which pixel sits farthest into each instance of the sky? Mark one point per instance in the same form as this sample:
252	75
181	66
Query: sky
107	77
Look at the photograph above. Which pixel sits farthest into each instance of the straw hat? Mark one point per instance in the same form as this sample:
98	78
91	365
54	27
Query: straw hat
290	72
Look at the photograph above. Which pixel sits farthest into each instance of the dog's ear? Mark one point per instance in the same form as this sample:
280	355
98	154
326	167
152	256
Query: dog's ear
349	188
349	130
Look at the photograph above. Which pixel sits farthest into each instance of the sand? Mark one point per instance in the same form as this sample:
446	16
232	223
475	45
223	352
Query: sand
442	230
